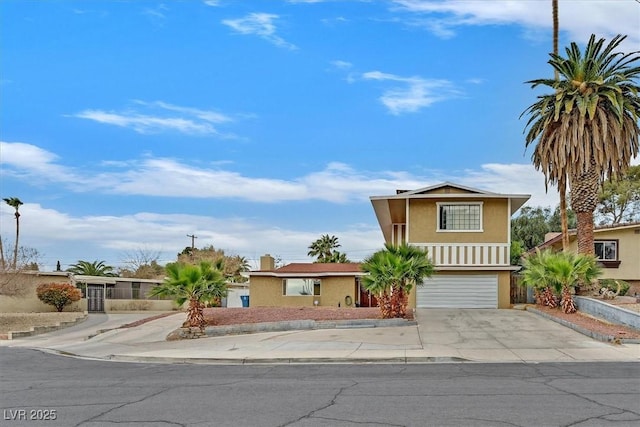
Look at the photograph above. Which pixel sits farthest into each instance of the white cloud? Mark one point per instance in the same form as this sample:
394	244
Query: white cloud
21	160
260	24
63	235
414	94
336	183
342	65
605	18
212	3
160	117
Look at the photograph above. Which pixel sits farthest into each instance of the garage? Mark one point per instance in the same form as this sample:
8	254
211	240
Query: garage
458	291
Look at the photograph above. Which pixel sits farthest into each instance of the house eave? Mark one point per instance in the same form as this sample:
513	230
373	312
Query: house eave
310	275
382	211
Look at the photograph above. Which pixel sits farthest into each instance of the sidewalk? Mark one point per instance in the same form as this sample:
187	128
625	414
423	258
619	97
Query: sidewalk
441	335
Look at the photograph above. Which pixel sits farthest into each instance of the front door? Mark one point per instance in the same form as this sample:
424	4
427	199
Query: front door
366	298
95	298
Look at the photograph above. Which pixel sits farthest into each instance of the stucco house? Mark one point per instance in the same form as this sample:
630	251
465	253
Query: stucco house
99	293
617	247
467	233
308	284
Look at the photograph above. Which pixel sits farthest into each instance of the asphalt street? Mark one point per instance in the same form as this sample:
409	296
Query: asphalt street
78	392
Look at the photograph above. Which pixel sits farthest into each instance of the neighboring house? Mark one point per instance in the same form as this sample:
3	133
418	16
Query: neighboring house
18	291
307	284
467	233
100	294
617	247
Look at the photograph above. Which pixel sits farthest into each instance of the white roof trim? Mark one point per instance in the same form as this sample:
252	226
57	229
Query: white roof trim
447	184
99	280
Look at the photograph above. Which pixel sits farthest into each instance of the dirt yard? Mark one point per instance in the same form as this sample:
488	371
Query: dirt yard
25	321
230	316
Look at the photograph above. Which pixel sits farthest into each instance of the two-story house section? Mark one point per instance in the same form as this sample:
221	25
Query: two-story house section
467	233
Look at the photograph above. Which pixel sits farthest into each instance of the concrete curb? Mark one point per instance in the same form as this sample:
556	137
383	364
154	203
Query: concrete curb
42	329
294	325
400	360
583	331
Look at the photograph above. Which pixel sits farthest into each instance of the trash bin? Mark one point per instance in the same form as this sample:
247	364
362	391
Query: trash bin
245	300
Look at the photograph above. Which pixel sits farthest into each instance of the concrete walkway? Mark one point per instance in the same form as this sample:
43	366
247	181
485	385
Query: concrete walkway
441	335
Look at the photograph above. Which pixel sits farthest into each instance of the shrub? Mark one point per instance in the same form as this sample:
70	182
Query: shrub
58	295
613	285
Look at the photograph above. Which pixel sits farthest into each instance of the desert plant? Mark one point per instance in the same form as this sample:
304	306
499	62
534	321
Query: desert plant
95	268
58	295
15	203
197	284
392	273
613	284
560	272
586	127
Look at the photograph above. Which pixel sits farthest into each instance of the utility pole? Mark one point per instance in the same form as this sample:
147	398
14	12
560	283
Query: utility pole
193	241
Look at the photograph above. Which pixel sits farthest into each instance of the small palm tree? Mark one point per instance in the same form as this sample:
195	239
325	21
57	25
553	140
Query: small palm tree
15	203
392	273
561	272
95	268
586	129
194	283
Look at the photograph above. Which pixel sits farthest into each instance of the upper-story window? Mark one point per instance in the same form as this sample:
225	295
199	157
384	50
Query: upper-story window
460	216
606	250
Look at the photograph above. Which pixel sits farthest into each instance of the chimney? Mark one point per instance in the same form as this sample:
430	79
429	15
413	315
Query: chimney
267	263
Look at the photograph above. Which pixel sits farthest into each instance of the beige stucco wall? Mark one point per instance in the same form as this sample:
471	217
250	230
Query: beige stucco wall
628	253
25	299
423	222
504	285
139	305
267	292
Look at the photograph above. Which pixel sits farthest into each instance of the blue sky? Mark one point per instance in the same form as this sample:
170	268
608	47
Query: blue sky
260	125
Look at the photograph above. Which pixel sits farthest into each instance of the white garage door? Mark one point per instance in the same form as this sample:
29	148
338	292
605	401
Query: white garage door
465	291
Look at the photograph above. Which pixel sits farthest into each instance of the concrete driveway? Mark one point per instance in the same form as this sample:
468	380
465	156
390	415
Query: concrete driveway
441	335
509	335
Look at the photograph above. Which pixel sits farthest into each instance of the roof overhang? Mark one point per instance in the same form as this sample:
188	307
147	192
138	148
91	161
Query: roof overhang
94	280
305	275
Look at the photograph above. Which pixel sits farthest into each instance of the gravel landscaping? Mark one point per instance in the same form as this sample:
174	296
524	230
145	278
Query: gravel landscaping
230	316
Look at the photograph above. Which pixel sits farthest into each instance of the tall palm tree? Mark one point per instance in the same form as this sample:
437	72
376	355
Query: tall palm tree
562	182
323	248
336	257
587	129
194	283
95	268
392	273
15	203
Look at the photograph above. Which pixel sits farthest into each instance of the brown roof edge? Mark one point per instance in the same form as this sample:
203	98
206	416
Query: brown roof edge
573	231
350	267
